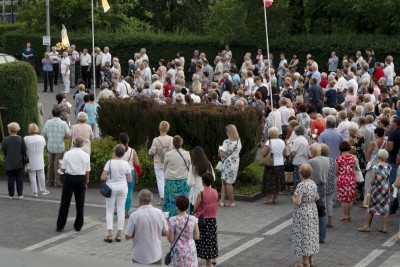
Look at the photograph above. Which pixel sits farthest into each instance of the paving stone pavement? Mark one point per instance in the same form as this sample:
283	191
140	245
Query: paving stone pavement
251	234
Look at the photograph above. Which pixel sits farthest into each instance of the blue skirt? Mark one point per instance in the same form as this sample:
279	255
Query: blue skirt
172	189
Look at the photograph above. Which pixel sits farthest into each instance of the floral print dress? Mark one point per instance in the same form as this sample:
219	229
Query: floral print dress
346	183
305	231
184	253
230	165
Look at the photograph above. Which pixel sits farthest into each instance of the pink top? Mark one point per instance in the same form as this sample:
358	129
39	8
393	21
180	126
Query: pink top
209	205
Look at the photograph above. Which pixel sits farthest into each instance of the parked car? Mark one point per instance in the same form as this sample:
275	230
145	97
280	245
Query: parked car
4	58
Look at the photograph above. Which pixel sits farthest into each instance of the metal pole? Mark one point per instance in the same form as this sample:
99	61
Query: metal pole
269	62
4	11
48	22
94	56
12	11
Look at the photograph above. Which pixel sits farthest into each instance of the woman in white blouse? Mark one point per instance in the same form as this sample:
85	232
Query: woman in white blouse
200	165
83	130
116	174
35	144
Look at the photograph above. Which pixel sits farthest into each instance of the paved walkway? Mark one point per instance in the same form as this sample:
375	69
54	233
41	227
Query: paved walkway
251	234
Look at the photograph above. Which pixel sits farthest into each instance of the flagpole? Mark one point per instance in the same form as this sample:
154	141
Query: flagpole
94	55
269	62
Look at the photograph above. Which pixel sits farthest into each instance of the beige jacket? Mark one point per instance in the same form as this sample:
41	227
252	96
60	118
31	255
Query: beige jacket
157	148
176	167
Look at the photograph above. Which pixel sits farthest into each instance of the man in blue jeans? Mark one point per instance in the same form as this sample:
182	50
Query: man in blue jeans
393	147
320	167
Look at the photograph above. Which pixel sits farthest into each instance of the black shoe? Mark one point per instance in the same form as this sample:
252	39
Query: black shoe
72	87
322	241
78	229
44	91
108	240
392	212
55	83
51	91
60	229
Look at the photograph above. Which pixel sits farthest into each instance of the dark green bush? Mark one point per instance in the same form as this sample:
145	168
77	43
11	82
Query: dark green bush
18	94
199	125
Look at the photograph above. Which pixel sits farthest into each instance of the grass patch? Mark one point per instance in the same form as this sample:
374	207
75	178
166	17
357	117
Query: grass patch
249	180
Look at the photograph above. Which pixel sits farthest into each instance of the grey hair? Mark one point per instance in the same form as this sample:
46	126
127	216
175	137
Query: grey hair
316	147
82	117
299	130
330	122
326	111
359	109
352	126
146	196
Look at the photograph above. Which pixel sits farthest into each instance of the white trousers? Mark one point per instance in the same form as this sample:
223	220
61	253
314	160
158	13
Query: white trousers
40	179
66	81
160	175
117	199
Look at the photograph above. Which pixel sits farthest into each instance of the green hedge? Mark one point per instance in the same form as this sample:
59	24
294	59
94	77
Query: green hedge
199	125
124	45
18	94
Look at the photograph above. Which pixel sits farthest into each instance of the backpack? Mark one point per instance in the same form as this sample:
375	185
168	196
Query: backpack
164	149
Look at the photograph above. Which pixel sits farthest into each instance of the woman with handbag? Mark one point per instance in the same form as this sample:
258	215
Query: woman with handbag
358	141
346	183
116	174
229	154
131	157
206	210
182	235
299	152
199	166
371	157
176	165
274	177
380	193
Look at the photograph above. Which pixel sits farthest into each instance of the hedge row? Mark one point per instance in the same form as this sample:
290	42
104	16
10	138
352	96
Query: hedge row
124	45
199	125
18	94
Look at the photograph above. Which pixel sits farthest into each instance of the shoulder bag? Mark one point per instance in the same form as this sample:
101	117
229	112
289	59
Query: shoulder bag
369	164
167	259
358	175
220	164
268	160
187	167
105	190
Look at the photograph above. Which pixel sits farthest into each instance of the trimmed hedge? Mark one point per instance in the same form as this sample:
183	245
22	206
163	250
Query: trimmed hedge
124	45
199	125
18	93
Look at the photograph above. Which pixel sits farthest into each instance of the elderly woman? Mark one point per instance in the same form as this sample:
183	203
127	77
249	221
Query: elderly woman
350	99
229	154
83	130
161	145
116	174
79	99
380	193
274	179
302	117
330	188
35	144
305	218
299	152
358	141
358	114
14	151
346	183
176	166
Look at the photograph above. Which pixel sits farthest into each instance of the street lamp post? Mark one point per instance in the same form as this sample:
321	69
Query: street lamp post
48	22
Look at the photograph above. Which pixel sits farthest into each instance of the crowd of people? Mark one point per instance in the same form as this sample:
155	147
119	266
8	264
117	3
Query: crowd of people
332	137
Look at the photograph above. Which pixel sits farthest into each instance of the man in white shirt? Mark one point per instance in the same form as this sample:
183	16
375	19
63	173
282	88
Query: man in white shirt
219	67
98	58
55	57
285	115
343	127
73	57
143	55
156	80
65	71
106	57
124	89
341	81
76	166
352	82
360	59
86	64
145	227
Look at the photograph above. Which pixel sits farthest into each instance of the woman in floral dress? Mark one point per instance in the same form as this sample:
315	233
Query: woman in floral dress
305	231
346	183
229	154
184	252
379	193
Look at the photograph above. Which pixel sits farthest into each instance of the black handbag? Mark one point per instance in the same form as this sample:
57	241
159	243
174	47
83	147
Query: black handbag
288	165
321	209
201	221
105	190
167	259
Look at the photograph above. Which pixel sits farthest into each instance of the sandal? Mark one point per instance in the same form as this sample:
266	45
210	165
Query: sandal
118	238
344	219
232	205
398	239
214	262
302	265
383	231
222	204
364	229
267	202
108	239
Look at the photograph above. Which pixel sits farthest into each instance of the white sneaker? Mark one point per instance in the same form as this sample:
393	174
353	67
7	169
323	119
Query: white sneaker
45	192
34	194
20	197
10	197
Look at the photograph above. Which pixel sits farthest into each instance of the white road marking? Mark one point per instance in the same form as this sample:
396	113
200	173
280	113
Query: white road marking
279	228
390	242
370	258
55	201
238	250
391	261
58	237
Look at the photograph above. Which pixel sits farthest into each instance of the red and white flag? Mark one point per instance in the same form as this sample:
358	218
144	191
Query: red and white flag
268	3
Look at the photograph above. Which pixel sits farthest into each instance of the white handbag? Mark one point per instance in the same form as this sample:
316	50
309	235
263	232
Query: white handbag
219	166
358	174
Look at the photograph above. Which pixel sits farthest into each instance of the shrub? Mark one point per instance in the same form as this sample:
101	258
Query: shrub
18	94
198	125
100	154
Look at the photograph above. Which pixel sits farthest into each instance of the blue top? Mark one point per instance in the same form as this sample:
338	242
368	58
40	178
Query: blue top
331	98
332	139
91	111
47	64
398	112
30	52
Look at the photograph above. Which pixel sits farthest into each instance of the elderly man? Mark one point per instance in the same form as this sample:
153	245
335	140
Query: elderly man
105	92
106	57
55	131
331	137
285	115
155	79
145	227
352	81
333	62
98	54
73	57
320	167
65	71
343	125
219	69
315	95
143	55
54	56
76	166
368	135
86	65
209	69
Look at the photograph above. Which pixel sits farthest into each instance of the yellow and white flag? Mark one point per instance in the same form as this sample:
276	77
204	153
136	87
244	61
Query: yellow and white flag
105	5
